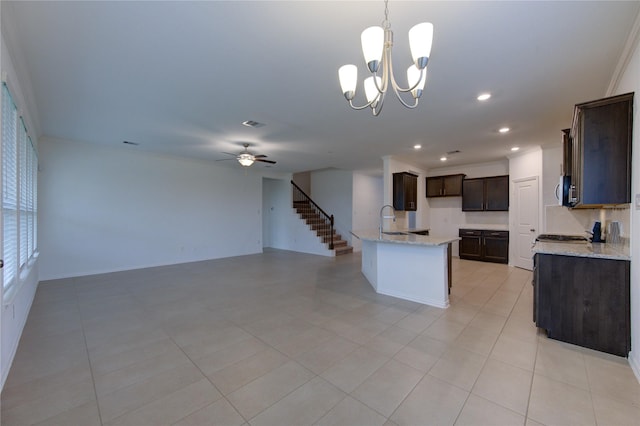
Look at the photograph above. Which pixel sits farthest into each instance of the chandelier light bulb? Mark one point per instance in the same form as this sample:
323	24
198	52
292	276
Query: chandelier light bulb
370	89
372	47
415	78
348	75
420	41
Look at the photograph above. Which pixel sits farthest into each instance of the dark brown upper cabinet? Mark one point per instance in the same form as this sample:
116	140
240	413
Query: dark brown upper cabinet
405	191
444	186
601	137
485	194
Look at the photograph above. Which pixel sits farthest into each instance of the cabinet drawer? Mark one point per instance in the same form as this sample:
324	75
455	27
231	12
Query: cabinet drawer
496	234
470	233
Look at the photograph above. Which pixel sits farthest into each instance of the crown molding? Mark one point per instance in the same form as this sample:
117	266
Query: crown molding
629	48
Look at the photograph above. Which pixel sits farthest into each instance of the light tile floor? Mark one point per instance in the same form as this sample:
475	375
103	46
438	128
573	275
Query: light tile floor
285	338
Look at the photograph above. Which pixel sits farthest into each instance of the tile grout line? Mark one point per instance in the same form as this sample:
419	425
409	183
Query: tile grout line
484	364
86	346
223	396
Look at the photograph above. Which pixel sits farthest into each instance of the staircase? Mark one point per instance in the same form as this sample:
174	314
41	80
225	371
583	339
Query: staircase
319	222
322	227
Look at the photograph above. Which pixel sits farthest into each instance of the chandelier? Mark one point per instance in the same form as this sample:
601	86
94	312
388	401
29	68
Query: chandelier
377	43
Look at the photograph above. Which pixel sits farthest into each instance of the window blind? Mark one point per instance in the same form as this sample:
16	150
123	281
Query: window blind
9	188
19	193
23	184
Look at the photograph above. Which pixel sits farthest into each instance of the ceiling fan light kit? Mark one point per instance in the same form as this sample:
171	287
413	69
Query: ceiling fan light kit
246	158
377	45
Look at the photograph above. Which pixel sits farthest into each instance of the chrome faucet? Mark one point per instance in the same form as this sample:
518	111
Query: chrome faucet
393	216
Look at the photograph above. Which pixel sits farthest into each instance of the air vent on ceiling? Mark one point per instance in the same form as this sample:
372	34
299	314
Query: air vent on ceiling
130	143
251	123
455	151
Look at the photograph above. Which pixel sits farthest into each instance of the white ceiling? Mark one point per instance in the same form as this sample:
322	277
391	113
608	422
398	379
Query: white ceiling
180	77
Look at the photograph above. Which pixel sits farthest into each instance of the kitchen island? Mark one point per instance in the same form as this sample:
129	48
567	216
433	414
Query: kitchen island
408	266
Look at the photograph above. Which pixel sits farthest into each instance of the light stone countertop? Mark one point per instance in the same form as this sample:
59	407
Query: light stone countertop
405	238
599	250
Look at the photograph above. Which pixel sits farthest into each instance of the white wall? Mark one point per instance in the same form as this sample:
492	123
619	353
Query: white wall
332	190
303	180
16	305
108	209
630	82
367	201
446	215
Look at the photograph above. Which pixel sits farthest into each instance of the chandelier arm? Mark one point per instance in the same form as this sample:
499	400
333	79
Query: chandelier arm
358	108
377	109
396	86
402	101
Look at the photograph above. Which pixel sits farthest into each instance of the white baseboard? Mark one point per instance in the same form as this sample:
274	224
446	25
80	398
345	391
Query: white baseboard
634	362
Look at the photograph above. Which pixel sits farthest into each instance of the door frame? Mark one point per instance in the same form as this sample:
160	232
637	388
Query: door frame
513	217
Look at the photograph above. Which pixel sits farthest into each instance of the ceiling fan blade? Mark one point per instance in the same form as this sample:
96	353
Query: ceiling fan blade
225	159
265	161
228	153
260	156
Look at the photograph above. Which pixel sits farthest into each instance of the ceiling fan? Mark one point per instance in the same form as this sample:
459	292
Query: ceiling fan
246	159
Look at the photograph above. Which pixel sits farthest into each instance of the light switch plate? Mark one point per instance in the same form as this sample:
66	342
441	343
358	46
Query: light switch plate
637	201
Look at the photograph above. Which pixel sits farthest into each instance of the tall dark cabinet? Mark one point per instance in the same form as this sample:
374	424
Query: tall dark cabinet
405	191
601	137
485	194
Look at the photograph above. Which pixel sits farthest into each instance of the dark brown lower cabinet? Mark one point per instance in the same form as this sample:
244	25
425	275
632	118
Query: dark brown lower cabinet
484	245
584	301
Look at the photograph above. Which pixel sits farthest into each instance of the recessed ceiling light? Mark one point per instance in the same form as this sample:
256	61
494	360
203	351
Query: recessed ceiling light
417	146
443	158
515	148
504	130
484	96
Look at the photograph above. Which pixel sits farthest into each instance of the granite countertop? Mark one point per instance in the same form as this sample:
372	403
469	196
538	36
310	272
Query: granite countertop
599	250
403	237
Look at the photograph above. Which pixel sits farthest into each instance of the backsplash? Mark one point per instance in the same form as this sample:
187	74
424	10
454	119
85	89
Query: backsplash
561	220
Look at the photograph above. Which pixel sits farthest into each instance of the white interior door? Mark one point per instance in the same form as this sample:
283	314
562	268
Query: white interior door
526	210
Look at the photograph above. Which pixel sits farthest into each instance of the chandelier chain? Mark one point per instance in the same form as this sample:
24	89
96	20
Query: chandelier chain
386	24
